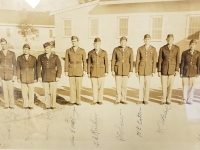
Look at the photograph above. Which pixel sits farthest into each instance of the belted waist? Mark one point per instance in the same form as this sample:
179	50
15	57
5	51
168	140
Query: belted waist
3	66
122	61
75	62
25	68
49	68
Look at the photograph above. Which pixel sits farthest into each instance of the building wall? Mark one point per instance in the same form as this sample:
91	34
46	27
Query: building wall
139	25
17	41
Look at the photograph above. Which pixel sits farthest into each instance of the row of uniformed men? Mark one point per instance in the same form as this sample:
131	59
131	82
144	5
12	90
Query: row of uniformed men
47	69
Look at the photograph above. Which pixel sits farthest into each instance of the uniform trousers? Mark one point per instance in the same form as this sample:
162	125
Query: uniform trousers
145	82
28	94
97	88
121	88
50	93
8	92
188	88
75	89
167	85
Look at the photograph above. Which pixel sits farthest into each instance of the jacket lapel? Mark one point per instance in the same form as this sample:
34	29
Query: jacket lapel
29	57
51	56
120	49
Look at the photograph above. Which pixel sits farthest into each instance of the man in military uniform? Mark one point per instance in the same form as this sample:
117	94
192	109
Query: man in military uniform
7	74
97	69
189	71
75	68
26	75
49	75
145	68
122	68
168	67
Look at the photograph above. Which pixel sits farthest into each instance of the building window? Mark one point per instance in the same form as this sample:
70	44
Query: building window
122	26
193	29
93	27
156	27
8	32
67	28
51	33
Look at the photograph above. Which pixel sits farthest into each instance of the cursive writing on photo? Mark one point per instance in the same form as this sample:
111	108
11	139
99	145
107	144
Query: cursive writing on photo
94	130
120	127
72	126
139	123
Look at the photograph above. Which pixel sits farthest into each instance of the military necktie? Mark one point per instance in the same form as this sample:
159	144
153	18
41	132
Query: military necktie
192	51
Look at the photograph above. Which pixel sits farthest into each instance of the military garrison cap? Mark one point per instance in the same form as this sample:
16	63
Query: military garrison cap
147	36
170	36
74	37
3	40
123	38
26	46
46	44
193	41
97	40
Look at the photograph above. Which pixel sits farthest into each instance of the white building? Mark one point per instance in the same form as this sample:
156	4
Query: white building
10	19
110	20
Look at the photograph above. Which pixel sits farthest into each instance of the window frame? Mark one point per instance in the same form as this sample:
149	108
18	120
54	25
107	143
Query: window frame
89	32
50	33
128	27
187	26
151	28
63	31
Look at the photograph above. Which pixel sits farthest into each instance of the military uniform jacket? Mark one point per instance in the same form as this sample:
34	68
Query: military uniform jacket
51	68
7	65
146	61
97	63
168	60
190	64
122	61
75	62
27	69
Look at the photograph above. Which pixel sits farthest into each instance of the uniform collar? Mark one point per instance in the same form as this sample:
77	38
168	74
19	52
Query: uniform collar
121	49
99	52
172	46
144	47
29	57
189	51
50	55
7	52
72	49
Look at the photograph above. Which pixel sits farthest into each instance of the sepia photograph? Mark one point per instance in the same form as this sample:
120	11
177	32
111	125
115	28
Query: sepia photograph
100	74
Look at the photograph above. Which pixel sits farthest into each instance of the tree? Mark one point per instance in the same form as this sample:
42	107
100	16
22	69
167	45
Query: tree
27	31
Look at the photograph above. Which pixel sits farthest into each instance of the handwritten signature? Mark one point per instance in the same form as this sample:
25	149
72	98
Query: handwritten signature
120	132
94	130
139	122
162	119
48	117
72	125
164	115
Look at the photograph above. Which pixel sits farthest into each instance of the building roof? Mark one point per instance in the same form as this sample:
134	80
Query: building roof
134	6
145	7
34	18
